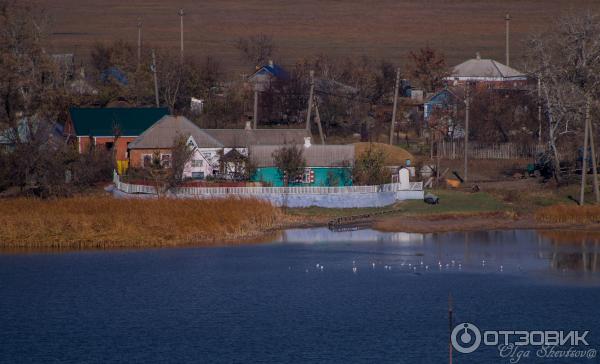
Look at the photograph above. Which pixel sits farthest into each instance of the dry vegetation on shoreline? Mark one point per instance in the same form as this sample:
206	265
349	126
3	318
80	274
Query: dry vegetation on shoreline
569	214
87	222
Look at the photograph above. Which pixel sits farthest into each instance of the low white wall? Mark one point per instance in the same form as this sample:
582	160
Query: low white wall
330	197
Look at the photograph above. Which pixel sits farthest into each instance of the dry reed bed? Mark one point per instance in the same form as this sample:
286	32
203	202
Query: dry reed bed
569	214
107	222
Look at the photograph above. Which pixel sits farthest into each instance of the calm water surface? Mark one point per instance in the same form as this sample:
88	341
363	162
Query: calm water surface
298	299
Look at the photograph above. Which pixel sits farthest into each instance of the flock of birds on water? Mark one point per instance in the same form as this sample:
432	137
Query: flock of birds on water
416	268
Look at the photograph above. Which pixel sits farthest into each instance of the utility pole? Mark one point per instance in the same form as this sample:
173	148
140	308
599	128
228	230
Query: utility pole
468	107
395	106
585	148
310	99
255	116
539	94
318	120
139	42
181	14
155	78
507	18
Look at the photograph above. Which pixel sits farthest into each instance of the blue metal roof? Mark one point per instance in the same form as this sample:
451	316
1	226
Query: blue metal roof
116	74
273	69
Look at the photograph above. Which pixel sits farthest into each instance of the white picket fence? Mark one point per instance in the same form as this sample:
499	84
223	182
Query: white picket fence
192	191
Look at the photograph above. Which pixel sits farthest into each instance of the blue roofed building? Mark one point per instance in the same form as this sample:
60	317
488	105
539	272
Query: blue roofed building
262	78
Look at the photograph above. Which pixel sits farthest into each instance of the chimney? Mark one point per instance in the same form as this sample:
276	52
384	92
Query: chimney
307	142
248	125
270	63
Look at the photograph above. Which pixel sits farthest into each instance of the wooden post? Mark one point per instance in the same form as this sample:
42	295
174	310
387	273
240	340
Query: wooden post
594	161
181	14
450	324
310	99
507	18
255	116
585	148
468	106
155	78
397	85
139	42
318	120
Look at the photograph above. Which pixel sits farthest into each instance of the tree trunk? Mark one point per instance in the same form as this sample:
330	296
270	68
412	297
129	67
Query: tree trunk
594	162
585	148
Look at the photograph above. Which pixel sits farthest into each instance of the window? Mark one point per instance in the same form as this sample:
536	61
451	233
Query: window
165	160
198	175
146	160
196	163
308	176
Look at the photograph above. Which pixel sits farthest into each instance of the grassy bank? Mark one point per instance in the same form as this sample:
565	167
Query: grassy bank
108	222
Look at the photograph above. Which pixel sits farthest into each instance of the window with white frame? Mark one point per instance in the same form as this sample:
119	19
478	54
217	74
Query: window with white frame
197	163
165	160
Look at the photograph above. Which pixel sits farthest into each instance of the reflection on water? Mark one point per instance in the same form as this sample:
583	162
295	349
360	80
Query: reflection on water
566	254
310	296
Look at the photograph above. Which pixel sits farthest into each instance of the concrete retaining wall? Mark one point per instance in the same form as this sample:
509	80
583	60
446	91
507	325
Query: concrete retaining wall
345	200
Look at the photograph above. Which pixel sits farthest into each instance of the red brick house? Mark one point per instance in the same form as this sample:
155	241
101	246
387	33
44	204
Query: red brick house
99	127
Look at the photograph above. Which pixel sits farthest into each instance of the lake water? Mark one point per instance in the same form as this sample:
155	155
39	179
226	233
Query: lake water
311	296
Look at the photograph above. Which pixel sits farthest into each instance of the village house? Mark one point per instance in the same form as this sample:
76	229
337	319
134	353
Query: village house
262	78
446	101
326	165
160	137
487	73
32	129
109	128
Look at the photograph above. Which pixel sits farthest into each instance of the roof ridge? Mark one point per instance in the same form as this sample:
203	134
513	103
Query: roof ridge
497	68
140	137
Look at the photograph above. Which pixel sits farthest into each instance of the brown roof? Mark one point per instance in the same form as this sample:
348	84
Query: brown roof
162	134
235	138
315	155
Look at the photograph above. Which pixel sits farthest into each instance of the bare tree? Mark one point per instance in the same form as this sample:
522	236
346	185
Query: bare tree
26	71
566	59
181	154
290	163
428	68
256	49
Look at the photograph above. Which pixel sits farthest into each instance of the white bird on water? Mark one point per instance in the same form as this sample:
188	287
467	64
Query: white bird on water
373	265
354	270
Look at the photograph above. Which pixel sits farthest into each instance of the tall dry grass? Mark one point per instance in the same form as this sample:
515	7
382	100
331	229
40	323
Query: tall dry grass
107	222
569	214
